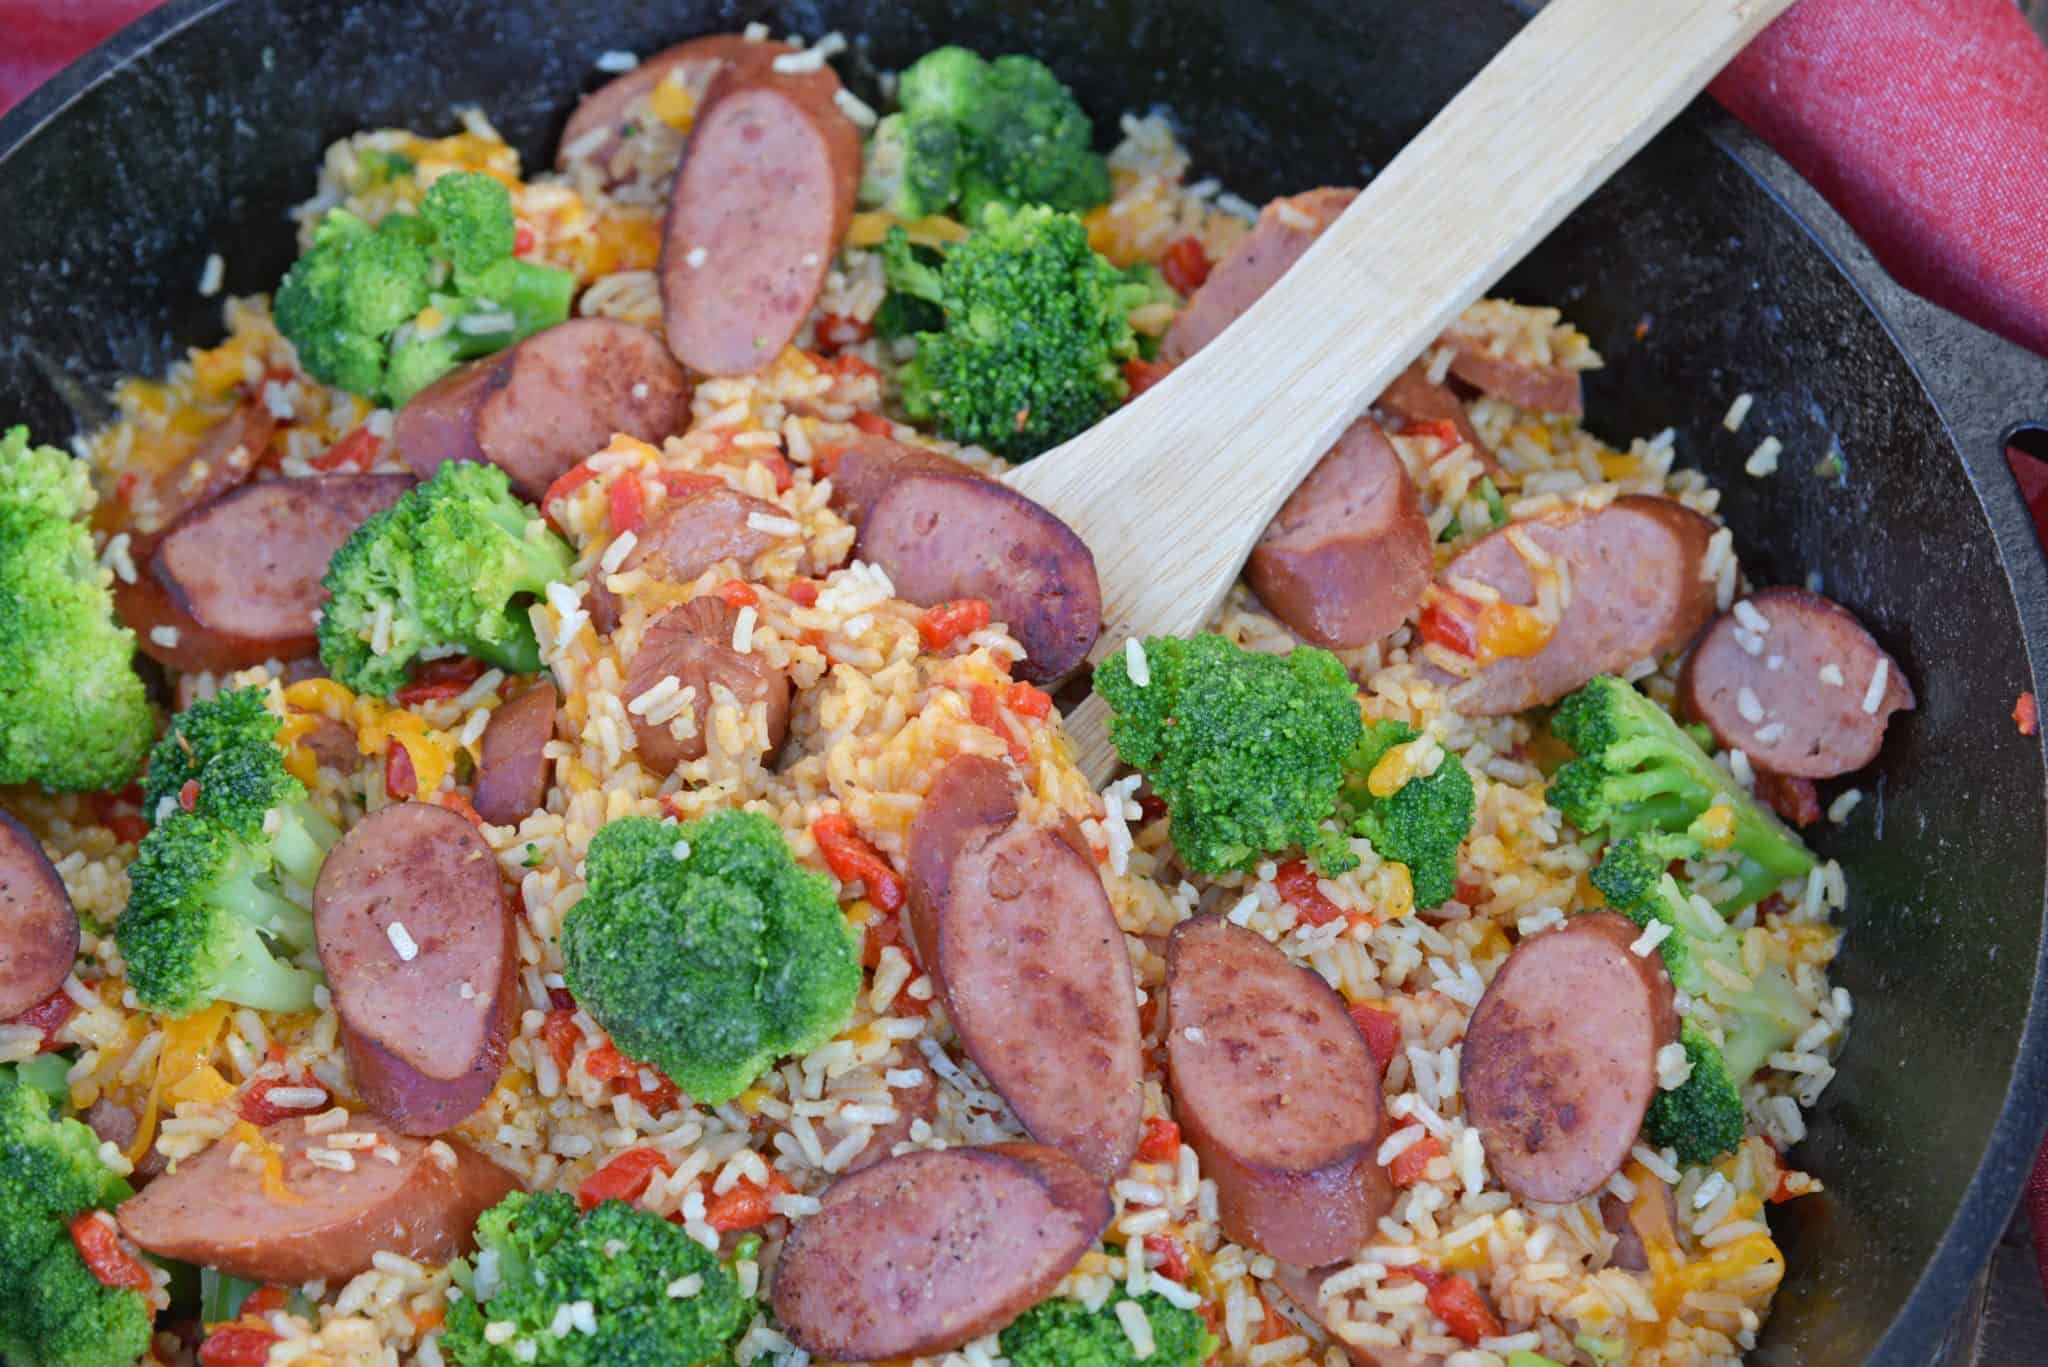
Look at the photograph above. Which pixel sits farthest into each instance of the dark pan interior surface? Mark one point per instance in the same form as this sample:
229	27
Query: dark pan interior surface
195	132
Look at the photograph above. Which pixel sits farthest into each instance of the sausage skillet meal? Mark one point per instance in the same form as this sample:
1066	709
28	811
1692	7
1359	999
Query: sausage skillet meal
594	875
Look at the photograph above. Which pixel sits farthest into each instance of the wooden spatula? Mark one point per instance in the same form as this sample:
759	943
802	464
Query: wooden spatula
1171	491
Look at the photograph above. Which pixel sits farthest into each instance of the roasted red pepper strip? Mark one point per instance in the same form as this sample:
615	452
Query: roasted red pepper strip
1382	1031
622	1179
1451	620
628	501
853	859
567	483
100	1247
1463	1310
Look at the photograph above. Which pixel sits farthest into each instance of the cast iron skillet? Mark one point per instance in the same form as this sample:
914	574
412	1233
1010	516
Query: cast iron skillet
1704	270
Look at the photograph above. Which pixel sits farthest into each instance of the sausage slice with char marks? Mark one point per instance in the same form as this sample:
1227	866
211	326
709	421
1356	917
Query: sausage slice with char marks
1805	727
541	405
1275	1088
174	638
597	126
923	1252
1636	591
763	196
686	536
422	1052
1347	557
251	561
215	1214
1545	388
693	643
1012	922
1286	228
38	928
867	468
944	536
1560	1058
512	766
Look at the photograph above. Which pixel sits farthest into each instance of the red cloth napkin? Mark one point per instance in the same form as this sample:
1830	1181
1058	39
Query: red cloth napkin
1925	123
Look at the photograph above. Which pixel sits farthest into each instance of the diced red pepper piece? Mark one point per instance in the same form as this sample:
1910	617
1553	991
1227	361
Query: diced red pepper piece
522	240
1160	1140
1382	1031
559	1033
1141	374
1027	701
848	366
1451	620
124	487
1408	1165
2026	715
744	1205
237	1345
1443	429
607	1064
401	782
458	802
1185	265
622	1179
738	594
802	592
1297	884
1173	1262
877	936
1151	806
1463	1310
100	1247
561	999
825	460
627	498
265	1299
836	331
946	623
48	1016
359	448
188	795
1791	797
566	483
683	483
438	680
874	424
257	1108
981	708
853	859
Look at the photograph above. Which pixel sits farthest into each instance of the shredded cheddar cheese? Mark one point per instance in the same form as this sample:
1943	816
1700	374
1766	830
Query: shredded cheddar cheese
187	1043
1716	827
204	1085
272	1159
868	230
1509	631
673	104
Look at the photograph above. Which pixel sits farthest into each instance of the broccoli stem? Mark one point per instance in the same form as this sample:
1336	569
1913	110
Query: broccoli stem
258	978
304	836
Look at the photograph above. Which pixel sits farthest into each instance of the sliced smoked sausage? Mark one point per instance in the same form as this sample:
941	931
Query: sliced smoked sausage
512	765
251	561
1347	557
1560	1057
601	119
763	196
686	536
38	928
1012	922
542	405
1637	590
1618	1218
1276	1090
1543	387
1286	228
174	638
417	941
1808	671
225	456
1414	398
214	1213
943	536
693	644
866	469
925	1251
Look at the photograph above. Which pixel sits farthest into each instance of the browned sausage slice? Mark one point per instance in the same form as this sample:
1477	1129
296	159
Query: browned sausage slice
866	469
333	745
38	928
1286	228
173	637
1525	384
1013	925
1636	591
1414	398
920	1101
1560	1058
214	1213
1348	556
538	407
512	765
251	561
414	933
687	536
763	197
923	1252
1794	693
598	125
1277	1092
941	537
226	456
693	644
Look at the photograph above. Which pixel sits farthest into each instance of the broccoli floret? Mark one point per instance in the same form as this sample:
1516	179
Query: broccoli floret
1638	772
353	304
1017	137
619	1259
453	562
73	712
1422	823
1065	1333
1247	749
1036	328
707	951
204	923
53	1311
1755	1014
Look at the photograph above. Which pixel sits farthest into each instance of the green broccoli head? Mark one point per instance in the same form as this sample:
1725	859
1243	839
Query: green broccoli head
452	563
1247	749
202	923
1066	1333
73	711
1035	329
1638	773
707	951
913	166
350	304
1423	823
231	720
53	1311
620	1259
1702	1117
